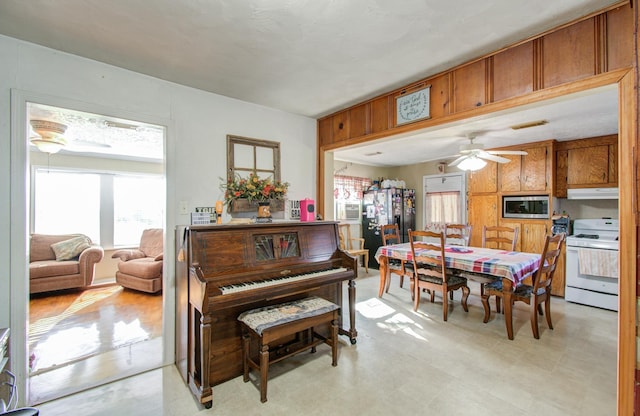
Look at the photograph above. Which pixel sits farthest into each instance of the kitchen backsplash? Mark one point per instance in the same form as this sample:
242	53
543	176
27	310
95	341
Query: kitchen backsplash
588	208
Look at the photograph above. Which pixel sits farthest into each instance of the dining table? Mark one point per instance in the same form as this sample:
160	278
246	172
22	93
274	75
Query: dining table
479	264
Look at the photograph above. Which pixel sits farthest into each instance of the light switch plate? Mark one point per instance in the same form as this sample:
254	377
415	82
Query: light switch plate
183	207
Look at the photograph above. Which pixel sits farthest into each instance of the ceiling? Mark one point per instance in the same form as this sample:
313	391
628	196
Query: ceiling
96	135
308	57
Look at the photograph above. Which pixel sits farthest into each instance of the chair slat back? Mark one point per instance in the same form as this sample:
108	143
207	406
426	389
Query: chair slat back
504	238
423	264
457	234
344	236
390	234
548	262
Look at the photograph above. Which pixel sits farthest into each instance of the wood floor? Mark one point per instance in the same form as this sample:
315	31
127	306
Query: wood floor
109	329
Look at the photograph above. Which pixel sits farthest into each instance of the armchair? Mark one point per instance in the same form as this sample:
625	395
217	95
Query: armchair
141	268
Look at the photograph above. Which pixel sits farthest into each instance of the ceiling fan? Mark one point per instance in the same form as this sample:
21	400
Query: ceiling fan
48	137
472	156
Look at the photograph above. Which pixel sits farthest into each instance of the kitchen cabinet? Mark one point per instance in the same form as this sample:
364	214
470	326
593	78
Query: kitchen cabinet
483	210
532	234
558	283
586	163
527	173
485	179
531	240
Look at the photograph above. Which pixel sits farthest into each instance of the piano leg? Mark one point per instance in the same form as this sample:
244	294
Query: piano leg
351	333
200	341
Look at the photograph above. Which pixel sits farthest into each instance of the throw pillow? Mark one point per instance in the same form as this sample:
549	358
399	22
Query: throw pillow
68	249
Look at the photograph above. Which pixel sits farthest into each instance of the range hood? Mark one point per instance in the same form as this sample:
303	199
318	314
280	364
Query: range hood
592	193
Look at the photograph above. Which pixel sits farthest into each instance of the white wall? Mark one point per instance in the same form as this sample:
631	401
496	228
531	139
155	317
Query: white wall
197	122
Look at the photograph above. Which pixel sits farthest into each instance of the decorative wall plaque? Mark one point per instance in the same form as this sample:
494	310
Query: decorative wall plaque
413	106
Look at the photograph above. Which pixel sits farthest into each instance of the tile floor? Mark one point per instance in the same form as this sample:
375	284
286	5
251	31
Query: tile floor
407	362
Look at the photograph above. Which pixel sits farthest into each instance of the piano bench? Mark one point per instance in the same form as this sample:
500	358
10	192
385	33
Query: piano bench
273	323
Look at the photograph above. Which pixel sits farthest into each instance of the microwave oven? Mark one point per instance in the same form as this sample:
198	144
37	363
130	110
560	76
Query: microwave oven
536	206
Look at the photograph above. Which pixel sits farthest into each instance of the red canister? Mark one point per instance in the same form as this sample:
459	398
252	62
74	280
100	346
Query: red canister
307	210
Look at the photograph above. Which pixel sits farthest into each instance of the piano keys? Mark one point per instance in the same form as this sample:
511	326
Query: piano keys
228	269
259	284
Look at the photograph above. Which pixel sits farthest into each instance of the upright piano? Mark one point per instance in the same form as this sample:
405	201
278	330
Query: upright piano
223	270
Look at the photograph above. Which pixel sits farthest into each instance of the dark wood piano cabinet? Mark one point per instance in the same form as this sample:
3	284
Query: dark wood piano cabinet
223	270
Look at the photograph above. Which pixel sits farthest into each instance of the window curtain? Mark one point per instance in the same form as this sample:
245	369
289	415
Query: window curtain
349	188
442	208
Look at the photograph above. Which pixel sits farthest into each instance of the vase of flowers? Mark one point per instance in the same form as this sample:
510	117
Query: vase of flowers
245	194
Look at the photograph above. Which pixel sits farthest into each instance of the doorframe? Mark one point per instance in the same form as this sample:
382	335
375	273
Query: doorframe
628	134
462	189
19	228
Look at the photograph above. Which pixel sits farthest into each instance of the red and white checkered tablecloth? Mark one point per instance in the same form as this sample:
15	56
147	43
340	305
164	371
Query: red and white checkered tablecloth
513	265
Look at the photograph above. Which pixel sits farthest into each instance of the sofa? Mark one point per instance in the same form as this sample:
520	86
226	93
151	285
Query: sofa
61	262
141	268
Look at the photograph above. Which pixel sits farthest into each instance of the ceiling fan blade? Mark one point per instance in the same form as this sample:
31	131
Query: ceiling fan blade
86	144
494	158
507	152
458	160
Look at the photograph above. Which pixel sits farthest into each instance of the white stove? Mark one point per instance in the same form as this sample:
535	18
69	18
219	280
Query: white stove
598	233
592	263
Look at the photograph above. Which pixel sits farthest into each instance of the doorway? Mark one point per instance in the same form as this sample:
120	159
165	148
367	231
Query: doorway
116	332
627	138
444	200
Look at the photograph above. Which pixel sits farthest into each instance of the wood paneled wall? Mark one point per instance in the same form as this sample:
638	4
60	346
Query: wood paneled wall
583	49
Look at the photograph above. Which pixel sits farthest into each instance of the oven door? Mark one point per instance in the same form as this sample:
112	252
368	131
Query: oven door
587	289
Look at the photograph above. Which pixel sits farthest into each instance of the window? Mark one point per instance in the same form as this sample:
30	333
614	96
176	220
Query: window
444	200
138	204
111	208
67	203
246	156
347	194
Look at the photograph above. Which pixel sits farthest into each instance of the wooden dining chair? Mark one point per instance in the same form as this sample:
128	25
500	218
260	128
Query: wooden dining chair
457	234
430	272
499	237
353	246
533	295
390	234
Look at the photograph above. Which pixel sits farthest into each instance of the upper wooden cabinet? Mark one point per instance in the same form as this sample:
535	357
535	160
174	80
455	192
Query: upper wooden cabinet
469	86
569	54
588	166
513	83
527	173
359	123
586	163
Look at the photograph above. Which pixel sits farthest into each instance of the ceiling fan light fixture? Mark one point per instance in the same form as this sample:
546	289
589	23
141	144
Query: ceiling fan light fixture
48	137
48	145
472	163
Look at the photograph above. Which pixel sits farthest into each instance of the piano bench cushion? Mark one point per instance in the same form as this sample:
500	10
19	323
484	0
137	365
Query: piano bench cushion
267	317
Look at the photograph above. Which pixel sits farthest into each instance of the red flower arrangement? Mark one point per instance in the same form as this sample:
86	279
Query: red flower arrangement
253	188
